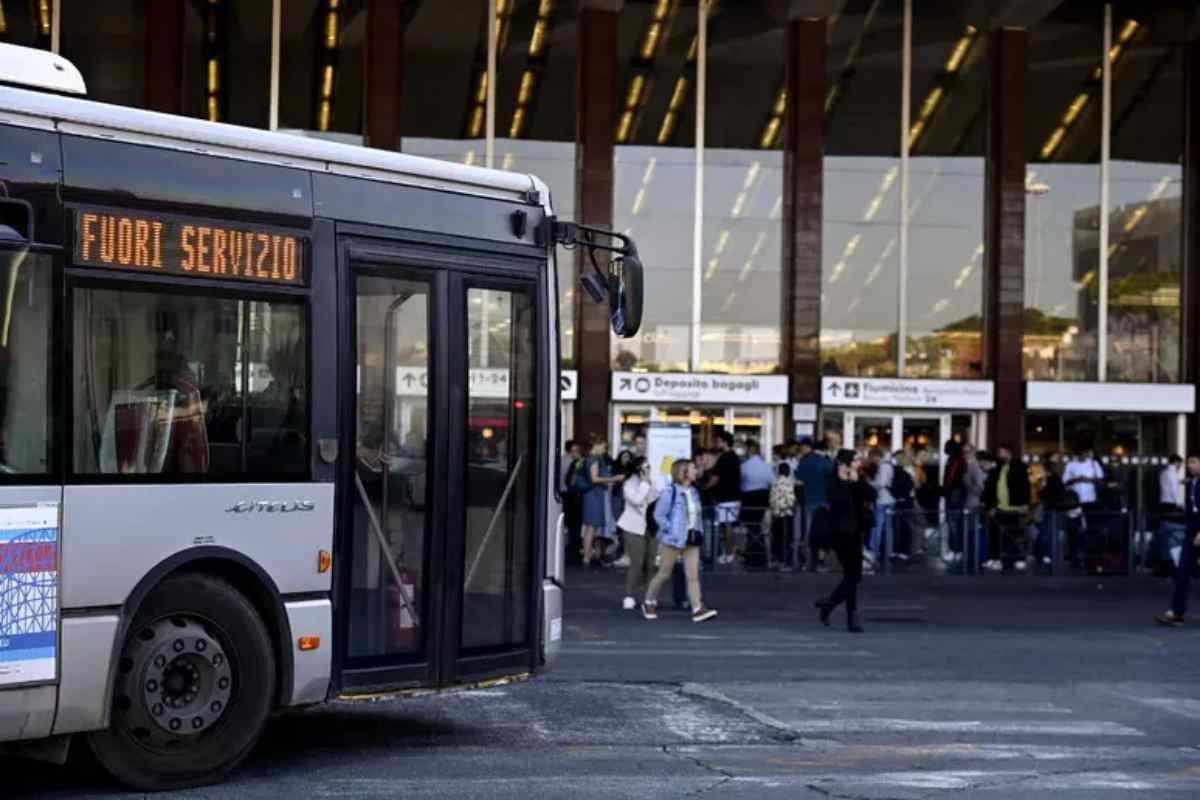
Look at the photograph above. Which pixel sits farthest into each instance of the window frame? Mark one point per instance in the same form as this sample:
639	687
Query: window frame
56	381
77	278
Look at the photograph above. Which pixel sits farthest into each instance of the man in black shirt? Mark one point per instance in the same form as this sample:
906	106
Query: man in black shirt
725	485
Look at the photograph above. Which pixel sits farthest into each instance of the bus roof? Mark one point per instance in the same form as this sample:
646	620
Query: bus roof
79	117
40	69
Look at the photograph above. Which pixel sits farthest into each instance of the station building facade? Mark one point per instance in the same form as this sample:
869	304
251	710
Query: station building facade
904	220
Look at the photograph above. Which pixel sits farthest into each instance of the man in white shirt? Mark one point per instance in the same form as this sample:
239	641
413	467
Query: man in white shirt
1170	485
1083	475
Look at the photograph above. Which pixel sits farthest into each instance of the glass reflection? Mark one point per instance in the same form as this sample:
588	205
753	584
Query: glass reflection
860	235
1062	188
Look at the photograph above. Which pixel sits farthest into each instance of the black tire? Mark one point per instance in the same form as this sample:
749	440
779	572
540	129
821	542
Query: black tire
171	727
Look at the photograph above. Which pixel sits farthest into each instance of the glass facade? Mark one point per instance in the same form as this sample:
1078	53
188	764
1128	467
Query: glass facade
860	237
903	204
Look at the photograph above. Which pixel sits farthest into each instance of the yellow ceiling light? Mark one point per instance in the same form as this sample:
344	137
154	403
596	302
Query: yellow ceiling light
1128	30
634	96
770	133
526	90
661	8
537	41
931	102
323	115
3	20
712	268
44	16
475	128
751	174
214	114
679	93
625	127
1053	142
959	53
722	242
667	129
915	132
518	123
545	7
327	82
1076	108
650	41
693	49
481	88
331	27
1136	217
780	103
214	75
648	174
639	200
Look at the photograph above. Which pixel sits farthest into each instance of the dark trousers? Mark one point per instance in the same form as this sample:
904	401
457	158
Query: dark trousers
781	528
1183	573
1007	527
850	552
573	517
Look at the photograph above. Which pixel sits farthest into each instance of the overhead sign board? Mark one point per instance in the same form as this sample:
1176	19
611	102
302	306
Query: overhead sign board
1160	398
907	393
695	387
568	384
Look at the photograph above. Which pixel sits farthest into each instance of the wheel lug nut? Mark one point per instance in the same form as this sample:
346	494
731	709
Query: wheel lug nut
215	707
197	723
178	645
218	660
160	661
157	710
175	724
151	685
201	645
223	683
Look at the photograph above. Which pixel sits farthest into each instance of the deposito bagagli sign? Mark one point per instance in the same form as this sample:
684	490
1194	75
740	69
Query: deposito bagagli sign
695	387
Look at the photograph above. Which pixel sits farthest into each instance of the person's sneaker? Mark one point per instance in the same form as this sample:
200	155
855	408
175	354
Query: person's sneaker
993	565
703	613
650	610
1170	619
1045	561
868	556
623	561
629	605
1020	566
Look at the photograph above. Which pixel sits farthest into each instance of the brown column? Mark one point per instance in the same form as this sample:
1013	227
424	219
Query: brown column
383	83
803	166
596	103
1190	296
164	55
1004	233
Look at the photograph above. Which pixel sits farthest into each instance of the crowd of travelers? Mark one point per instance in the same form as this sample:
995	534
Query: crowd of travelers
812	501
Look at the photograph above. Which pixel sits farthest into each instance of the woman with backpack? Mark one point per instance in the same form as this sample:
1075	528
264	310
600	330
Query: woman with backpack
592	482
678	515
638	492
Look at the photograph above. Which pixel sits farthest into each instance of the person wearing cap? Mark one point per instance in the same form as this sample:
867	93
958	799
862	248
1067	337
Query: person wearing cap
845	495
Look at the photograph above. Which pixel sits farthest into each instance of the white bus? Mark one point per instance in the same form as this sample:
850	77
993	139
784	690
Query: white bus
278	423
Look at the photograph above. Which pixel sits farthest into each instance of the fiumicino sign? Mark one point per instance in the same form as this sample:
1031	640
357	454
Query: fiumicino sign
694	387
907	393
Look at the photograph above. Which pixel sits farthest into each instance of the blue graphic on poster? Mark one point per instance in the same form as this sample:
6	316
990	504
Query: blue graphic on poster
28	594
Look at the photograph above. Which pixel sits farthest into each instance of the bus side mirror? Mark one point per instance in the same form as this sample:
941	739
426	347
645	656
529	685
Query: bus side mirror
625	294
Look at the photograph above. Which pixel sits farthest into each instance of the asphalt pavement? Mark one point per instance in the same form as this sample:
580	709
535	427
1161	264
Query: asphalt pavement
996	687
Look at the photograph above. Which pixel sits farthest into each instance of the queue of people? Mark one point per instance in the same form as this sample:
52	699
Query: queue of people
813	501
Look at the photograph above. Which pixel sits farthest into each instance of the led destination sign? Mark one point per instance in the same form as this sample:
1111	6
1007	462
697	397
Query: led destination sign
199	248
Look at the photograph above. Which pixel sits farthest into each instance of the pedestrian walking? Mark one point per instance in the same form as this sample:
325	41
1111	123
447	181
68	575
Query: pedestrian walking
725	484
677	513
639	492
845	495
593	482
1188	551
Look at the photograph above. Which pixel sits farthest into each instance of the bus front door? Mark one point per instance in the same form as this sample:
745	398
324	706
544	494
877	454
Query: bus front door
436	548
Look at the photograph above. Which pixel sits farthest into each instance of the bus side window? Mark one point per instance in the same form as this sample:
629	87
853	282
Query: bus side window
24	362
168	384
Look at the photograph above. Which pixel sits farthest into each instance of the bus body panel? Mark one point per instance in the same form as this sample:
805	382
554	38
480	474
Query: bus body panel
26	713
312	669
113	535
88	645
552	620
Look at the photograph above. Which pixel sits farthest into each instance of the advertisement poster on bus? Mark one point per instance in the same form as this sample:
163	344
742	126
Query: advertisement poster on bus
666	443
28	594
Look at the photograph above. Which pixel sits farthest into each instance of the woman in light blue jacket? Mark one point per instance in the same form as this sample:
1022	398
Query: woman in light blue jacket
678	515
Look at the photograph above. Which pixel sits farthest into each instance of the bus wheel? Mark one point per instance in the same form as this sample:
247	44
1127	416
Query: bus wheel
193	689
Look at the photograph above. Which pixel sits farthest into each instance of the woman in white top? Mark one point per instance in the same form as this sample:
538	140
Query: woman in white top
639	492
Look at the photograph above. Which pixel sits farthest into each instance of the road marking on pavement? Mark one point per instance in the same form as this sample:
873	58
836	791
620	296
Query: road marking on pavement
984	779
1184	707
709	693
715	653
945	706
888	725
